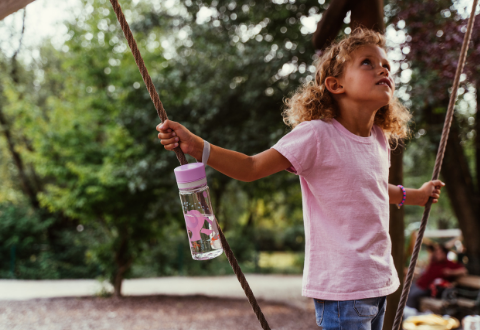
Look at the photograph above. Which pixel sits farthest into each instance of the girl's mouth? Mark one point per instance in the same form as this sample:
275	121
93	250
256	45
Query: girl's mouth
385	81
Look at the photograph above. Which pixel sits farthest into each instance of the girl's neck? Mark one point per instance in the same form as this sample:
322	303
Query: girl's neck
358	120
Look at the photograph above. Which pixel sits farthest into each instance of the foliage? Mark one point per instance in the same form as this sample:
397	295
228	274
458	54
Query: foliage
432	33
87	130
40	249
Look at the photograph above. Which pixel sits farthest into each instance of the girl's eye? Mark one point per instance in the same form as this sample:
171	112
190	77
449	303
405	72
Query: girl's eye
386	66
366	62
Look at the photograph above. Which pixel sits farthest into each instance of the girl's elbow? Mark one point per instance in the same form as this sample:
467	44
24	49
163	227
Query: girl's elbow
252	173
250	177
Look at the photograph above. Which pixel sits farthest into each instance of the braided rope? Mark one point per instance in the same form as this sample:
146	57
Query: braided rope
243	281
436	170
144	72
181	157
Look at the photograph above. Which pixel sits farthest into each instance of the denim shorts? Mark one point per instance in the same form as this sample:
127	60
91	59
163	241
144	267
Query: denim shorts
364	314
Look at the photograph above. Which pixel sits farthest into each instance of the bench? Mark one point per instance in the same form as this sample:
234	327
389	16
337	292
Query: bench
465	299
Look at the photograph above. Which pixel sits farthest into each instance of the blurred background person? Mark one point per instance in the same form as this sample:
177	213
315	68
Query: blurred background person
439	267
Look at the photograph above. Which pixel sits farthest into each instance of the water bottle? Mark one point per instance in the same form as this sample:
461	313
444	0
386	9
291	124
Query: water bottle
200	221
476	320
471	322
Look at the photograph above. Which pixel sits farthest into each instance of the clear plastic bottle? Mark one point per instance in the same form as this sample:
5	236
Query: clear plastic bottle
200	221
471	322
476	321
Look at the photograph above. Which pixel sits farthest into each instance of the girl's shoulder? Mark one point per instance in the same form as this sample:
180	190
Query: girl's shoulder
315	128
314	124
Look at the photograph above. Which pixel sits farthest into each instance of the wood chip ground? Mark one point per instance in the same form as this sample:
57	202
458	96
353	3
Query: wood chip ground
148	313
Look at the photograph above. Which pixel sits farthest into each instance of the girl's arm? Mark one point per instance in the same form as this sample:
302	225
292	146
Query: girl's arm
231	163
416	196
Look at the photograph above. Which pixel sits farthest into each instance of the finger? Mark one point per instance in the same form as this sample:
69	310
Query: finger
169	124
437	183
166	135
169	141
435	201
171	146
435	196
164	126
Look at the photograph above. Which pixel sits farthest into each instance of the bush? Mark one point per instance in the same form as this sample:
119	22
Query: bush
36	246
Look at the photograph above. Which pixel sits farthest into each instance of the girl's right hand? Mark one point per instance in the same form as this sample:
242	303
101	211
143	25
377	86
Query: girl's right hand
173	134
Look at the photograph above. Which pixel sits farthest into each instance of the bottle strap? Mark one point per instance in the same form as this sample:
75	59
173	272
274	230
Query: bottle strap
206	152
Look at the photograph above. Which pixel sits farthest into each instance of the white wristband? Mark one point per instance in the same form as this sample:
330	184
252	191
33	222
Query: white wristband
206	152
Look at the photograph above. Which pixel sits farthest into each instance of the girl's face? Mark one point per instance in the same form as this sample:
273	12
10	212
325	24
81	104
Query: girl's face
367	77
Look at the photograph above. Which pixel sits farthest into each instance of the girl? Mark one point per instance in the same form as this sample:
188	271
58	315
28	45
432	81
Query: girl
343	124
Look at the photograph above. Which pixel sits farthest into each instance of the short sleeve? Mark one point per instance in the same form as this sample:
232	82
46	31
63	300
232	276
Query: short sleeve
300	147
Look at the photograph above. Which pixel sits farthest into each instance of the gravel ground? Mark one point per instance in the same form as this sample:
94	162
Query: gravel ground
149	312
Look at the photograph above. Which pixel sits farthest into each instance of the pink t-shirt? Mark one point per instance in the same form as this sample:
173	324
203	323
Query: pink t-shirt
344	180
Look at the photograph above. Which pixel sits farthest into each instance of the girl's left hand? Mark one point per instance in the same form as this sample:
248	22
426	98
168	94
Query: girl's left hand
431	189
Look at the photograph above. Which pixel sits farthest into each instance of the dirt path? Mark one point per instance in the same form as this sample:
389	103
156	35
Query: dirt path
149	312
274	288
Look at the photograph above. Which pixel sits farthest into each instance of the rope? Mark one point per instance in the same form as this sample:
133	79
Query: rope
181	157
243	281
436	170
144	72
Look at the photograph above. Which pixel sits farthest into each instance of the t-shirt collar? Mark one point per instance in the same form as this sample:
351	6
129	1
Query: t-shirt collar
347	133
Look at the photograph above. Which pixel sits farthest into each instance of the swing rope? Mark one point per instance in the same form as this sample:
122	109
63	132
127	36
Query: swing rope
436	170
181	157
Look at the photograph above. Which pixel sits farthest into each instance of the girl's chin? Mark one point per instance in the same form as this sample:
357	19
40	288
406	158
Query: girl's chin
386	98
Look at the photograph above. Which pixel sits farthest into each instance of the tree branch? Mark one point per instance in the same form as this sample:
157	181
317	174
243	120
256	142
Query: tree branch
25	183
330	24
366	13
14	72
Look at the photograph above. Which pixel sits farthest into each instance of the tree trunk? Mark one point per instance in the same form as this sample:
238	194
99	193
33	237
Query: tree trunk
397	228
117	285
118	279
123	263
477	138
9	7
366	13
330	24
461	191
460	186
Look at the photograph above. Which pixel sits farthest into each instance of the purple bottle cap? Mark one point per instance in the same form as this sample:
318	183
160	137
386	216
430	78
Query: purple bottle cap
190	176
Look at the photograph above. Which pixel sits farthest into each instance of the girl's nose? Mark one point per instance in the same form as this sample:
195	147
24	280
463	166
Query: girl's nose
384	71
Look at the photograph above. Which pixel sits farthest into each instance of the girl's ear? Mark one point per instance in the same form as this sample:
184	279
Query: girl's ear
333	85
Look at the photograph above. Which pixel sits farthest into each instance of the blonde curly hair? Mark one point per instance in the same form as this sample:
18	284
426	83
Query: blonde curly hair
313	100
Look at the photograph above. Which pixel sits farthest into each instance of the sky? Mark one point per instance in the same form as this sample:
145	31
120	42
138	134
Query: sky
43	20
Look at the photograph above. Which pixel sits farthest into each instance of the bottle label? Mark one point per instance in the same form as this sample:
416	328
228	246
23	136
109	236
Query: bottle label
195	222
